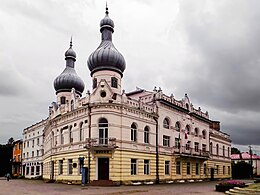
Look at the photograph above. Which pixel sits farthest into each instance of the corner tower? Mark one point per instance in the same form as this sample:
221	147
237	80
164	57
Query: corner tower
106	62
68	79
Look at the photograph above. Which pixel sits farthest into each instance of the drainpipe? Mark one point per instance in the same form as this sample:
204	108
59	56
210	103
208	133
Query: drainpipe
157	152
89	136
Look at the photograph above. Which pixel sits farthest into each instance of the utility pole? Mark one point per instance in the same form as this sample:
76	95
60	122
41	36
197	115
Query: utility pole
251	161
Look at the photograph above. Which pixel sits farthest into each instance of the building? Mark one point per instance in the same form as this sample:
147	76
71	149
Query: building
33	149
17	158
113	136
246	157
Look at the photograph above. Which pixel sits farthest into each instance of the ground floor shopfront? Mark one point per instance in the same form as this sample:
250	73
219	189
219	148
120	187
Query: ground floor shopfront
32	169
126	167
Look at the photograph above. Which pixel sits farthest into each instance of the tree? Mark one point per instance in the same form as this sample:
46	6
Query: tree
10	141
235	150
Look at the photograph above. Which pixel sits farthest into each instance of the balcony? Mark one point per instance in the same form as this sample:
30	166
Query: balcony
101	143
191	152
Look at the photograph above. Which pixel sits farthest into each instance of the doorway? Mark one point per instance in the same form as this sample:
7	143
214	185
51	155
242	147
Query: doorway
103	168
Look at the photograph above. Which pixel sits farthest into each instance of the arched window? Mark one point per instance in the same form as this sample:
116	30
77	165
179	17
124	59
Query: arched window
196	132
81	133
166	123
217	149
72	105
133	132
187	129
62	100
53	139
61	137
114	82
223	150
103	131
146	134
177	126
204	134
70	135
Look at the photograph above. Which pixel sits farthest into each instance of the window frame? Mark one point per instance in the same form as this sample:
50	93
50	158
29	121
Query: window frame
146	167
133	170
167	167
166	123
166	140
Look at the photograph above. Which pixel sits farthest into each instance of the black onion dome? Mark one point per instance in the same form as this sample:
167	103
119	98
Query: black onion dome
69	79
106	56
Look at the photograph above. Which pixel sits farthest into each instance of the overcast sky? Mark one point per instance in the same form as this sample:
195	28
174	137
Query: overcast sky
207	49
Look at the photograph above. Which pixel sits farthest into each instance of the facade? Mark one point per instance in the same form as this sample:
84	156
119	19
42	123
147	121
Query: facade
17	158
246	157
118	137
33	149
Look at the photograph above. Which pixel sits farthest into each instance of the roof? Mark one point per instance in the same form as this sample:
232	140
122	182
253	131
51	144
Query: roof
244	156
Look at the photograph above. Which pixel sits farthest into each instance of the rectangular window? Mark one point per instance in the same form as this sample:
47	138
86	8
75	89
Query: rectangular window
177	142
133	134
146	136
114	82
166	140
224	170
37	152
197	169
38	141
228	170
32	170
196	146
167	167
70	166
27	154
37	170
188	168
27	170
28	144
204	147
32	154
223	150
205	169
178	167
133	166
187	147
32	143
60	167
146	167
228	152
217	169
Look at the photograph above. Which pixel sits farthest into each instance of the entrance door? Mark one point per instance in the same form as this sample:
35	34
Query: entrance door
211	174
103	168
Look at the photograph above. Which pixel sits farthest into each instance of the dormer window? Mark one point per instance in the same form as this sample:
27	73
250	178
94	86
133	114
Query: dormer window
62	100
94	83
114	82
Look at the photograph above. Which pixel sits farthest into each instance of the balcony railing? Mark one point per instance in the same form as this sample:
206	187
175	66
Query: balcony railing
109	143
185	151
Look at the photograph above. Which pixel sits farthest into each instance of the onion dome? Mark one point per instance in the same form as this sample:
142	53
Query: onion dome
106	56
69	79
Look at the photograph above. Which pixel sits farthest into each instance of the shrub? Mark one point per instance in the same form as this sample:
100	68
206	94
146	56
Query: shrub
226	185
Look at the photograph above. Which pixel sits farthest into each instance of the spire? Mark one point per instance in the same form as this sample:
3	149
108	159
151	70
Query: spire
70	55
71	42
106	9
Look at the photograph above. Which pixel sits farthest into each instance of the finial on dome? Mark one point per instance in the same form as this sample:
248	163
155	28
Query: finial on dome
106	9
71	41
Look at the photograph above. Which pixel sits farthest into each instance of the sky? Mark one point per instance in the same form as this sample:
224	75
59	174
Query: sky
207	49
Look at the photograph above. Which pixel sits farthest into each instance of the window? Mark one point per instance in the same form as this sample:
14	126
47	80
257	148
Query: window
187	129
228	170
177	142
60	167
167	168
33	143
133	166
69	166
103	131
224	170
27	170
38	141
114	82
196	132
62	100
205	169
188	168
146	167
72	105
80	164
187	145
27	154
223	150
196	146
166	140
32	170
177	126
37	170
217	169
217	149
166	123
133	133
37	152
81	133
210	147
24	144
32	154
204	134
187	106
228	152
146	135
178	167
28	144
204	147
197	169
70	135
61	137
94	83
19	157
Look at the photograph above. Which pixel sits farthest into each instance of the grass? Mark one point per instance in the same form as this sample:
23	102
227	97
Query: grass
255	186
